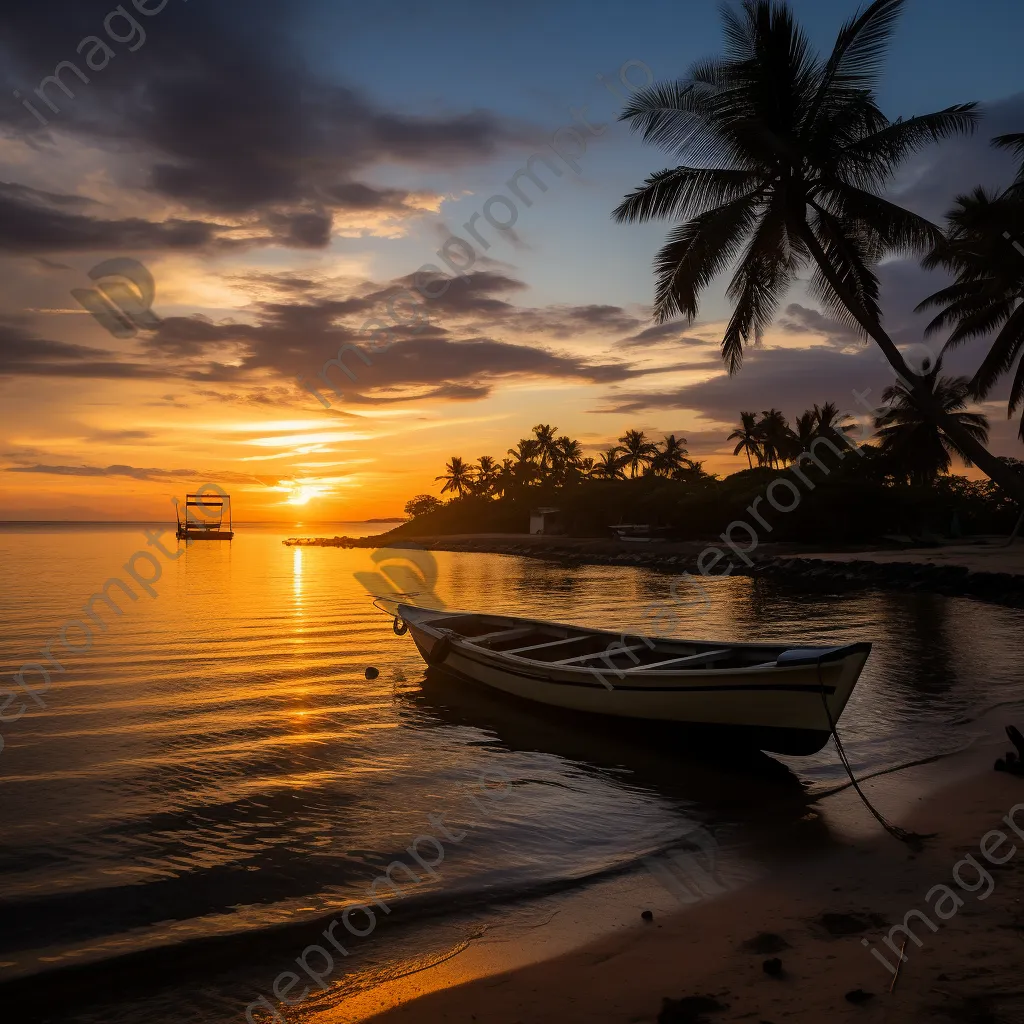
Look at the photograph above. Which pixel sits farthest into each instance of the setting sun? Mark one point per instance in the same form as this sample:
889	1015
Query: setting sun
303	493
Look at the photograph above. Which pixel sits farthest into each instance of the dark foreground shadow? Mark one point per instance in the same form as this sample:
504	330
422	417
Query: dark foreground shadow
761	796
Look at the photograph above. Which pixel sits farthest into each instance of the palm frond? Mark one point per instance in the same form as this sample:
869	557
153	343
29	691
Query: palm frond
680	117
850	260
1006	348
685	192
1014	142
875	158
859	54
764	273
898	229
696	253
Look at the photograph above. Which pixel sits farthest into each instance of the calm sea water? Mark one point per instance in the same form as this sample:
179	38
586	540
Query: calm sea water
216	774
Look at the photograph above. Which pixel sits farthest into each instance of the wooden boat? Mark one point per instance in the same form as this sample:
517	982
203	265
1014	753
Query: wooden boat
769	696
639	533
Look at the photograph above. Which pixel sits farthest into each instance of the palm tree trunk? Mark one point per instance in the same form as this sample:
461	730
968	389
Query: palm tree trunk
1005	476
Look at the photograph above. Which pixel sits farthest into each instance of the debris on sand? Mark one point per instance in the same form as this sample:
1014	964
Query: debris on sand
688	1010
859	996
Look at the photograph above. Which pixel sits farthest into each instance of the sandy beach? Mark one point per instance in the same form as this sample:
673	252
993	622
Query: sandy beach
822	921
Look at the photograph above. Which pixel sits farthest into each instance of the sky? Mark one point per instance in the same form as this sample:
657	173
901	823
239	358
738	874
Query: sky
280	172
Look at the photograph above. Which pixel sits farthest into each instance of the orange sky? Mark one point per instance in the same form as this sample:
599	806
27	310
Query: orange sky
281	220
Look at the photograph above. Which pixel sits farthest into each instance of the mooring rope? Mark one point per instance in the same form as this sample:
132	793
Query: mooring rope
902	834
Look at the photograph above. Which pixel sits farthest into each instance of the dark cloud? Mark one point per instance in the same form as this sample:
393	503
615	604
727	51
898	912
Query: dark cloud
136	473
469	296
225	114
302	230
35	222
301	336
25	354
661	333
354	195
475	296
570	321
802	320
931	180
788	379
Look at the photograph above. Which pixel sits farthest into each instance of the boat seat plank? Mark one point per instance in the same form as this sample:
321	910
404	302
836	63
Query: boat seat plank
608	652
550	643
686	659
502	634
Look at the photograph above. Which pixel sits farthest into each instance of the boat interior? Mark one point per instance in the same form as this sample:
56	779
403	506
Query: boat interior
564	646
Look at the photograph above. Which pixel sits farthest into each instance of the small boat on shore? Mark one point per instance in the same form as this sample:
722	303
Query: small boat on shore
640	533
776	697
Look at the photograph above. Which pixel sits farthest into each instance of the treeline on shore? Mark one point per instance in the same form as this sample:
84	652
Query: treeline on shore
810	485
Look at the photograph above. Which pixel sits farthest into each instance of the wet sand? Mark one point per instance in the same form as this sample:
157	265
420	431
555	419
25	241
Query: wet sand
816	918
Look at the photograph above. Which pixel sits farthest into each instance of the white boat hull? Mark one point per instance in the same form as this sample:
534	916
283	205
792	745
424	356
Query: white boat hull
778	702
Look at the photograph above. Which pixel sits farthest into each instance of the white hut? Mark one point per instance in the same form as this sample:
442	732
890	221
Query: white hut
544	520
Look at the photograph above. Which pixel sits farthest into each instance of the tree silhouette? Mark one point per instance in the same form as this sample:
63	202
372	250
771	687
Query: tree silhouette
458	477
747	438
671	457
914	447
803	153
985	295
637	450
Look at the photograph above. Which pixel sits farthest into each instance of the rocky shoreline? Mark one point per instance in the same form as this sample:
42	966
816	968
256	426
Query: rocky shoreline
846	573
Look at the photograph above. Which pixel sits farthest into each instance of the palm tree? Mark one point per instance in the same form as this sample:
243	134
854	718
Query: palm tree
524	451
790	153
458	478
636	450
747	438
776	437
486	475
525	465
609	465
985	295
1016	143
832	424
587	467
506	478
911	444
806	429
547	445
672	456
566	459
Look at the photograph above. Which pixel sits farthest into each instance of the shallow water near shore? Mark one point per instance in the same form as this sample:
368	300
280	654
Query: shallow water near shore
215	778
